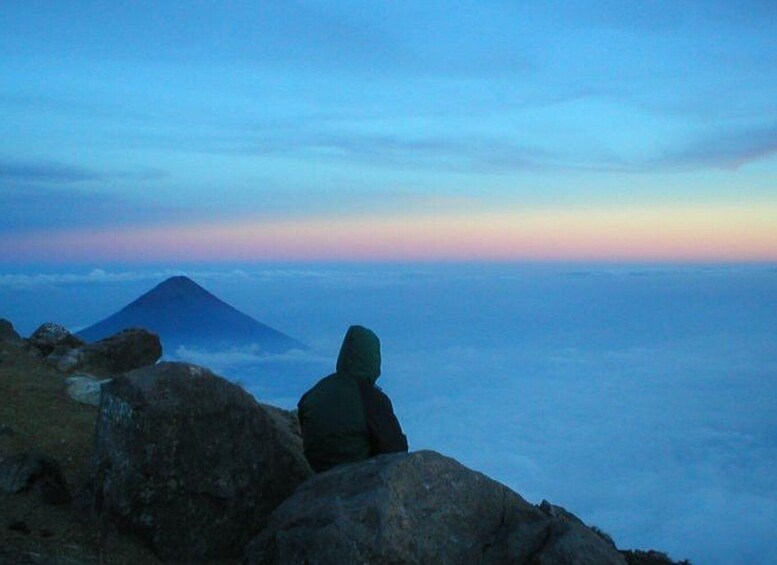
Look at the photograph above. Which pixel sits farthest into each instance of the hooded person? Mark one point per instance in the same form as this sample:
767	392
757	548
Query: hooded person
345	417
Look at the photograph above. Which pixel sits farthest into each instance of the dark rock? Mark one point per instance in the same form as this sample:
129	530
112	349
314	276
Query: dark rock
22	471
8	333
190	462
420	508
54	339
20	557
127	350
558	512
285	419
19	526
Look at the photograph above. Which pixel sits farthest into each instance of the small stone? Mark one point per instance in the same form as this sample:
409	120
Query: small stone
85	389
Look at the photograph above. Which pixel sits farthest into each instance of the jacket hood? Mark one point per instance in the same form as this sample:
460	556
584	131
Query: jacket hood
360	354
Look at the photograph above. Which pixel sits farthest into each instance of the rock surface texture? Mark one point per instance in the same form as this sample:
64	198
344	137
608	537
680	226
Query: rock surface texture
7	332
53	339
127	350
421	508
22	471
190	462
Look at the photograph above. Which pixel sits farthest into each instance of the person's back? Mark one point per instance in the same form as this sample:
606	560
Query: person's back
345	417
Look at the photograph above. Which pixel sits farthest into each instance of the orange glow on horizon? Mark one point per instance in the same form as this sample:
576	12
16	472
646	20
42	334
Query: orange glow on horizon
747	233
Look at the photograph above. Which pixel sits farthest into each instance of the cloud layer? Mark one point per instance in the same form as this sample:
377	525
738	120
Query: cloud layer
640	397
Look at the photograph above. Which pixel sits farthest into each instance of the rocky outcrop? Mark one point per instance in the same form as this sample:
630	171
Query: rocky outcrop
190	462
421	508
8	333
197	469
285	419
53	340
127	350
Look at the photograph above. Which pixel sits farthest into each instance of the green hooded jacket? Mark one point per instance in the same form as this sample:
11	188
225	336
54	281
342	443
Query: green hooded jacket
345	417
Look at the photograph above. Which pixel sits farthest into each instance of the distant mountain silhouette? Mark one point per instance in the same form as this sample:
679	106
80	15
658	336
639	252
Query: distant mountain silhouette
185	314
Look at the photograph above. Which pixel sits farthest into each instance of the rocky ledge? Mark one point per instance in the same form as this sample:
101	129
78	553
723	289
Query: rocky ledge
197	470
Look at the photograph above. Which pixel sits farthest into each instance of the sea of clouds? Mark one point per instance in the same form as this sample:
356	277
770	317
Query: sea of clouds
644	399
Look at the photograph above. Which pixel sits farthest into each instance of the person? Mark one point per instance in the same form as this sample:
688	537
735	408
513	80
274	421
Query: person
345	417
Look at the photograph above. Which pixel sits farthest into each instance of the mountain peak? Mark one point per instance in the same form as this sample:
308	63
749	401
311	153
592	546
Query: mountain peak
183	313
175	286
178	281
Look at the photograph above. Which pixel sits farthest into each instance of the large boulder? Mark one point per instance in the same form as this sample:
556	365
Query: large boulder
127	350
420	508
190	462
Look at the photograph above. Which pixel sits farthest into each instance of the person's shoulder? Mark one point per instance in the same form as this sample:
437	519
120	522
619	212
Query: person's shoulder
322	383
377	391
327	379
326	382
375	394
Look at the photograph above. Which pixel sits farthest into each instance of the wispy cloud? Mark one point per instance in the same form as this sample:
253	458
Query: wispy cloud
45	172
101	276
59	204
478	155
485	155
93	276
725	149
471	154
245	356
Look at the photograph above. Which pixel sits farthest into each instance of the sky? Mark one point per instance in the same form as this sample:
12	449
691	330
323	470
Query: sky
161	132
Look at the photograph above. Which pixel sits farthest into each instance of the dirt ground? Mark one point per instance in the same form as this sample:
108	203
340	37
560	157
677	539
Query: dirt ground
36	415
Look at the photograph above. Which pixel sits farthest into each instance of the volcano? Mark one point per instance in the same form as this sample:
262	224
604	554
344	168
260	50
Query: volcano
184	314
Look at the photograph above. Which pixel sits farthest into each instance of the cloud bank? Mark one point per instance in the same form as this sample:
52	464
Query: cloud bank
640	398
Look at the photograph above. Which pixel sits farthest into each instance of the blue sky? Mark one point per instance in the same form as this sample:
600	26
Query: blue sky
177	115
